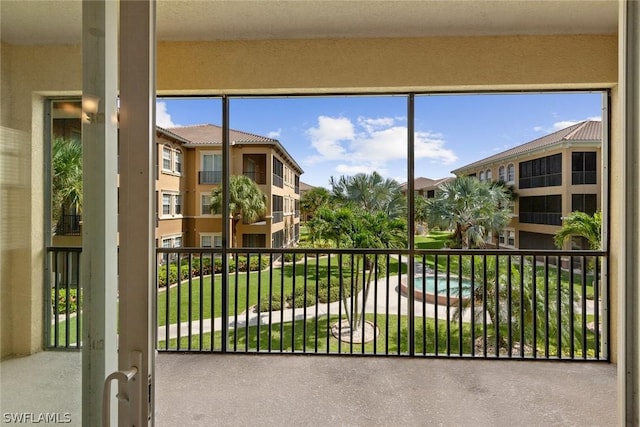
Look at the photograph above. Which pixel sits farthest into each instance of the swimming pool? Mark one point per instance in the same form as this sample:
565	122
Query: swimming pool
425	289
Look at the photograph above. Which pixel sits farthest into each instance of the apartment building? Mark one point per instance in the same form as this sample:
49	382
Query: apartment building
190	167
425	187
552	176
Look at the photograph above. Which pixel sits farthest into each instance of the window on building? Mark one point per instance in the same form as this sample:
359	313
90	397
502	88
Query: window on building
481	176
511	173
254	241
501	237
166	158
278	171
488	175
205	204
178	162
211	169
177	204
541	210
177	242
211	240
166	243
587	203
277	206
502	176
542	172
277	239
166	204
583	168
511	238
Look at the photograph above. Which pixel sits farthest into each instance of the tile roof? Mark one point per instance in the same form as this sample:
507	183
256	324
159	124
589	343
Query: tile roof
422	182
206	134
588	130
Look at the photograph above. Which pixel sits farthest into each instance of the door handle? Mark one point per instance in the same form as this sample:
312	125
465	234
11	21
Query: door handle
123	376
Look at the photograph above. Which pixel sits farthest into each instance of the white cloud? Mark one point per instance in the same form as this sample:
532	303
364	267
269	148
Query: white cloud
275	134
562	124
370	143
328	137
163	118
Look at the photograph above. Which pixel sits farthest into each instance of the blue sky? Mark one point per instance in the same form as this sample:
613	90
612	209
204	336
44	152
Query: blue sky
333	136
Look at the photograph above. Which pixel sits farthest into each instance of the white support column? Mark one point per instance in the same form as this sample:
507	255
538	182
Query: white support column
99	236
629	301
137	181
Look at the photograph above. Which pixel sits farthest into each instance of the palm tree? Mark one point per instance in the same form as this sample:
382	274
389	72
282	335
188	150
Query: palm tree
355	228
66	180
582	225
491	293
420	213
246	201
471	208
371	193
313	200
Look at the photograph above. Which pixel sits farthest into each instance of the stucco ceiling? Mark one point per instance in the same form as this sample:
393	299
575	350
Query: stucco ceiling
60	21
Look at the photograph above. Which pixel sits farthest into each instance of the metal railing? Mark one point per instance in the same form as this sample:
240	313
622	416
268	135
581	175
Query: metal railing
426	303
68	225
453	303
63	299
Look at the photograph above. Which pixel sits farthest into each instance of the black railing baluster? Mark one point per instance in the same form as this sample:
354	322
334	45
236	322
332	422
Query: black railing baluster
293	305
375	306
281	255
270	302
596	305
460	305
496	325
522	341
509	308
67	300
399	316
246	303
546	306
473	305
305	292
387	299
436	303
236	289
315	322
258	305
448	298
534	284
178	304
201	300
340	294
559	307
424	305
584	306
329	255
572	330
484	305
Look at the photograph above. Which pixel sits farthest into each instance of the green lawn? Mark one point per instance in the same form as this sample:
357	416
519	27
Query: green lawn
62	333
301	336
283	281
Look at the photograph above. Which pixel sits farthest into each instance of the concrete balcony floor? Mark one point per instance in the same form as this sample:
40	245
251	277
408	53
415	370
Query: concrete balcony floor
280	390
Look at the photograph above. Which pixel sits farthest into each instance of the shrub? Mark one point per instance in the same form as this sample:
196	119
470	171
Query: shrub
289	256
62	301
302	299
273	304
331	292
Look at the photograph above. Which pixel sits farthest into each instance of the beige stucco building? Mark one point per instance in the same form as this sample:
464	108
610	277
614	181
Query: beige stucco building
551	176
190	167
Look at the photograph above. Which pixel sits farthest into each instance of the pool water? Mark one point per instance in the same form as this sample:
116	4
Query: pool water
428	286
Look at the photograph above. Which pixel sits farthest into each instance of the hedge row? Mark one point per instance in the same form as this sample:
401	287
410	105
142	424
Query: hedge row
234	264
326	293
